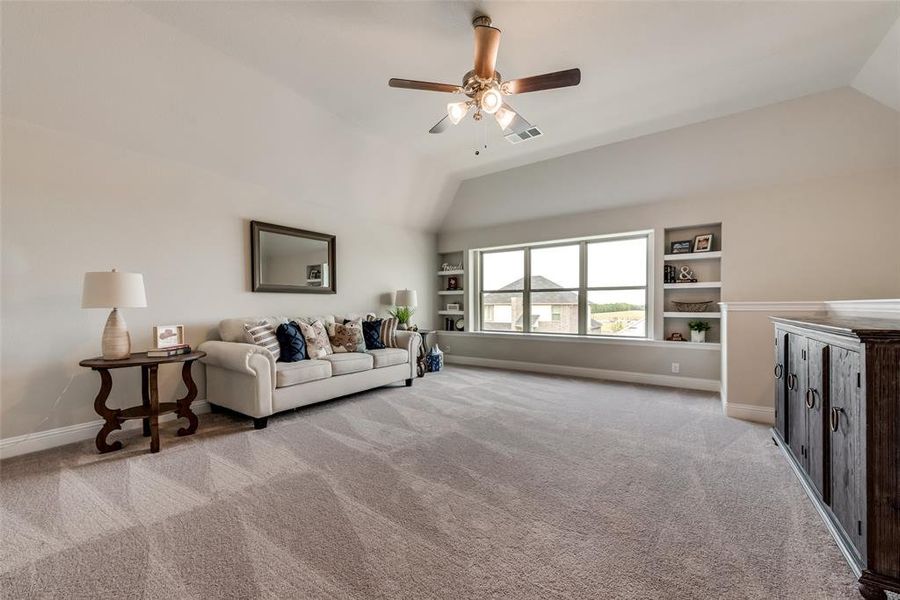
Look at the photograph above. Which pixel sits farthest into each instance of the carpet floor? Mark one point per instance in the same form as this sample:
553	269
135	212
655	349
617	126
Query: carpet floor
474	483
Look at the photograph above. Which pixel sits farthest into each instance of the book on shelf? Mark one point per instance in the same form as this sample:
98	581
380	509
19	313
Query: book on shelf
170	351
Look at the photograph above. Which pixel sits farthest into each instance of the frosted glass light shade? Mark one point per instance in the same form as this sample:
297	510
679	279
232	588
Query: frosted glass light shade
112	289
504	117
406	298
456	111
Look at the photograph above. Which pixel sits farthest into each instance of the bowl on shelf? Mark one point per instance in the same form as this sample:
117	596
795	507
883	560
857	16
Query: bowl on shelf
691	306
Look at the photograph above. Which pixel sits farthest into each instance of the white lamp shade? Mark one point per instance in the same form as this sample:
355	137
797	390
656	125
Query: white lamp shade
406	298
112	289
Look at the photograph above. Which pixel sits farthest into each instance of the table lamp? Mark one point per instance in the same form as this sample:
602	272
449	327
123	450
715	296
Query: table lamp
405	298
115	290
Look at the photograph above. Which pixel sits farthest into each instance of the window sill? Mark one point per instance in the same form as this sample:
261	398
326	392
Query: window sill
582	339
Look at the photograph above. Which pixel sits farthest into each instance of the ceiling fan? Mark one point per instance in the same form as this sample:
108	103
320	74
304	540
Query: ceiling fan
485	87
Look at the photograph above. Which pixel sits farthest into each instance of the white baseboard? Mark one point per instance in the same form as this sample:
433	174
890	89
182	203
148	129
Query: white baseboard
51	438
750	412
690	383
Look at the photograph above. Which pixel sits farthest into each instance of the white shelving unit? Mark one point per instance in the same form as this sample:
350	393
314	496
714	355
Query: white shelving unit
687	286
707	269
447	319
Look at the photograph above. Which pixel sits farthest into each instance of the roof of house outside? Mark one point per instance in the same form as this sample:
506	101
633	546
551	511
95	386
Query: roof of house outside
537	282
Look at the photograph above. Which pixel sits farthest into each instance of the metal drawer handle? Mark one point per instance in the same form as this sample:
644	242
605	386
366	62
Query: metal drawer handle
810	397
791	381
834	418
779	371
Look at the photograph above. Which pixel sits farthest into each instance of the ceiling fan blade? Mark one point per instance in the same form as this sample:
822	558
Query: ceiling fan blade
428	86
547	81
487	44
440	125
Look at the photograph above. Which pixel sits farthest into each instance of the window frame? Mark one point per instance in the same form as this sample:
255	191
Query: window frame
582	290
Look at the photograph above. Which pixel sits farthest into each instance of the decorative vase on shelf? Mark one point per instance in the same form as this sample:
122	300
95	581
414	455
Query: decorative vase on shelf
698	336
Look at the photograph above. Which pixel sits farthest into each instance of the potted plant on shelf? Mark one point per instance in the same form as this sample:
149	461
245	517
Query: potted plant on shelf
698	330
403	314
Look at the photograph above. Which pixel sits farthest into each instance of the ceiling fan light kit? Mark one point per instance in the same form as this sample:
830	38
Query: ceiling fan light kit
485	88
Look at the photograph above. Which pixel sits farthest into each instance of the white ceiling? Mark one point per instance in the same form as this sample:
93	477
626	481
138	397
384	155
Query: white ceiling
646	67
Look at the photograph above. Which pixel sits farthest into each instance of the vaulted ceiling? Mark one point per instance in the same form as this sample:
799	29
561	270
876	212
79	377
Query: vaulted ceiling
646	67
249	89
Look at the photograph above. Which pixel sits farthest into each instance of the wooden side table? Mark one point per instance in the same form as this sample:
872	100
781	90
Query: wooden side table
423	350
150	408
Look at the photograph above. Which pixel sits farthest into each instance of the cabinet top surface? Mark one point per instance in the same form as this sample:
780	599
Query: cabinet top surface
859	327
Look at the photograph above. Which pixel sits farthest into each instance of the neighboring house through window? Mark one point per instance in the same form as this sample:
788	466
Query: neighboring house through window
594	286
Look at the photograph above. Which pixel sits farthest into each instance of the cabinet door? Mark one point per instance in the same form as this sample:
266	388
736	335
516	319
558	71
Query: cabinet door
796	397
846	426
815	399
780	383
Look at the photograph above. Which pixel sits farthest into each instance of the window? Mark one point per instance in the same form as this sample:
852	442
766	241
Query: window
594	287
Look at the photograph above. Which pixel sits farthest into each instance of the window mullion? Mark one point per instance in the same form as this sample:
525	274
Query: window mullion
526	294
582	289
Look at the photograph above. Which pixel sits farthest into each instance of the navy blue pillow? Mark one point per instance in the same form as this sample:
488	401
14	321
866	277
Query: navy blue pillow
372	334
291	342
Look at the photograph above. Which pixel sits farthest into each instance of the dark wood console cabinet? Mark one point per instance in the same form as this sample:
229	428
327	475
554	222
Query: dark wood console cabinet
837	420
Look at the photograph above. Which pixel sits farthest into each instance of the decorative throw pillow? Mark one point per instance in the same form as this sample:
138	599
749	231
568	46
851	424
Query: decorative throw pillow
317	343
372	334
389	332
263	334
357	324
346	337
291	342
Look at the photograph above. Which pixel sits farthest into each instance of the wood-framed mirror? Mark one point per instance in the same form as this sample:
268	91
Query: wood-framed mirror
289	260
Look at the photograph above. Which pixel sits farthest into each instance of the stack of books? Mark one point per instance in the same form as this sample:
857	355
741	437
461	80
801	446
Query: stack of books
169	351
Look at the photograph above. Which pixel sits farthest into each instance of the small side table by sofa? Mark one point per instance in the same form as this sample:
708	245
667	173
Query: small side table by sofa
423	350
150	408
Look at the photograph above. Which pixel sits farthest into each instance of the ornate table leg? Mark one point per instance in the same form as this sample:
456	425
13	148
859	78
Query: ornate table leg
184	404
110	415
154	410
145	397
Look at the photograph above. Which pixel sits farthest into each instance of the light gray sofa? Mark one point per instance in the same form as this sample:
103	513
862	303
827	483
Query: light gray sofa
246	378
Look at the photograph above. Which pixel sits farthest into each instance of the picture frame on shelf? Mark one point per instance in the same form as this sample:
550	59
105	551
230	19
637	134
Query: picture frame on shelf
452	283
167	336
453	306
682	247
703	243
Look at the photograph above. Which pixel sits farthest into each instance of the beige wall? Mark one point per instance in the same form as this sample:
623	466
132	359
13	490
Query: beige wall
828	235
127	144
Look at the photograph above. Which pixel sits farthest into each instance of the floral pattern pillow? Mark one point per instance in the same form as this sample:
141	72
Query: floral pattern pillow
345	337
317	343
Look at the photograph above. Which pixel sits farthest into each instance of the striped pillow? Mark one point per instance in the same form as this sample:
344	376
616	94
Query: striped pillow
263	334
388	333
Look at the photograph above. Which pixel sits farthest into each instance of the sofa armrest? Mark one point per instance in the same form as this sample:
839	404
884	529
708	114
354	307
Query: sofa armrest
410	340
249	359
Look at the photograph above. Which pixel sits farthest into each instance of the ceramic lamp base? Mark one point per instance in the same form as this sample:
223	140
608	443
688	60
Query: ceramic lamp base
116	339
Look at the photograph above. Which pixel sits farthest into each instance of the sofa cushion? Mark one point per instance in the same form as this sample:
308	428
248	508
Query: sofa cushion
387	357
345	337
232	330
350	362
287	374
372	334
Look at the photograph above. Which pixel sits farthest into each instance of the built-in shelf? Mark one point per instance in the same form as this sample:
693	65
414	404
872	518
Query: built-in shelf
457	313
697	285
456	272
691	315
450	292
693	256
710	345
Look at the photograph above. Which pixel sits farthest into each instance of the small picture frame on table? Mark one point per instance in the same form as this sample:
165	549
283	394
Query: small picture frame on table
703	243
682	247
166	336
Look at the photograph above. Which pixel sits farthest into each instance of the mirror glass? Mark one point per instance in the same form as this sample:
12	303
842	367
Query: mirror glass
291	260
